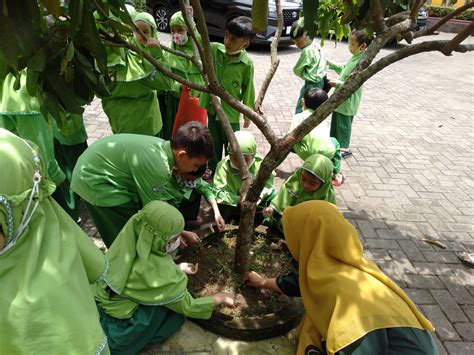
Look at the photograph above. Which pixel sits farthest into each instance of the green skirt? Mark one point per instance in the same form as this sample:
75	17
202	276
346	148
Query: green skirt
148	325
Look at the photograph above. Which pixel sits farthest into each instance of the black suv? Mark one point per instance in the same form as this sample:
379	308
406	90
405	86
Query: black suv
219	12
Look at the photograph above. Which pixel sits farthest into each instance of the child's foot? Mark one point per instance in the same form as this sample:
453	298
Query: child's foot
467	259
195	223
346	153
338	179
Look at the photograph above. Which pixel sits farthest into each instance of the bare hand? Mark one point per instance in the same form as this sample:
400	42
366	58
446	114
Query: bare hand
247	123
223	298
267	212
254	279
191	237
152	42
189	268
219	222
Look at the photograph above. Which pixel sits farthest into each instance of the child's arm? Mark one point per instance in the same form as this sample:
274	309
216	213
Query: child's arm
268	190
256	280
248	91
220	222
300	67
287	284
337	67
200	308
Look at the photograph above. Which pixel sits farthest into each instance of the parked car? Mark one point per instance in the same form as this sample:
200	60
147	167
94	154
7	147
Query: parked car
219	12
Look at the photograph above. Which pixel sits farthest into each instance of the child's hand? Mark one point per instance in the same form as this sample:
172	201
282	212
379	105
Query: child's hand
254	279
191	238
247	123
219	222
223	298
267	212
189	10
152	42
189	268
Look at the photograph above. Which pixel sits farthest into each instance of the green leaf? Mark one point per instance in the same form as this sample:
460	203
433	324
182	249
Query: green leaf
70	51
32	77
38	60
69	74
17	83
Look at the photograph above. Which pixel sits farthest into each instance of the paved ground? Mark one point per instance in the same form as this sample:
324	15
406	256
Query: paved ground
410	178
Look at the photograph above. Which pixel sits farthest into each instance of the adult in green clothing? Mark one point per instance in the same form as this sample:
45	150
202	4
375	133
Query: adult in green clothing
318	141
184	191
132	106
180	41
69	144
311	65
46	263
20	114
144	298
118	175
341	121
228	180
234	70
310	182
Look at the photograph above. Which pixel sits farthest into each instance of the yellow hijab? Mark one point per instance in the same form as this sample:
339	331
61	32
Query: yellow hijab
345	295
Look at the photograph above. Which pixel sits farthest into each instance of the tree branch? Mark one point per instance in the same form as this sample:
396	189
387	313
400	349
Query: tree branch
416	7
275	61
377	16
197	46
182	54
398	17
429	31
456	41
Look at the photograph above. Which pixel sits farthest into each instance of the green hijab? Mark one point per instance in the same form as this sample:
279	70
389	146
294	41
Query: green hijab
46	265
140	269
178	20
292	193
247	143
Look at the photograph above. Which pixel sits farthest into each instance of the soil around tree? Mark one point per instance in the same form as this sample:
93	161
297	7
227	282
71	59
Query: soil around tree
258	313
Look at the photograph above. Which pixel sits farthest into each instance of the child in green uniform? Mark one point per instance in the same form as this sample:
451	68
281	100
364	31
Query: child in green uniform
47	263
310	182
184	191
119	174
234	70
341	121
69	144
180	41
318	140
228	181
20	114
132	106
311	65
143	298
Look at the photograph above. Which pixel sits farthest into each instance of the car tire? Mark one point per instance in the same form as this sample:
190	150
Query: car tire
162	15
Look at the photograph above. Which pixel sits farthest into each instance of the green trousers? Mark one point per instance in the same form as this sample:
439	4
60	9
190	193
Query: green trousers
109	221
341	127
66	156
148	325
219	138
169	108
393	341
336	159
307	85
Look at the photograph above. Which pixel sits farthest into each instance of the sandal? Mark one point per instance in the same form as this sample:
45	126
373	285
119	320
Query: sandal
346	153
467	259
336	181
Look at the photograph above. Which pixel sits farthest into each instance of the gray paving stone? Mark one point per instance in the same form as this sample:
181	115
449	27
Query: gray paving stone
449	306
469	312
455	286
447	257
431	268
459	348
381	243
420	296
465	330
401	261
427	282
443	327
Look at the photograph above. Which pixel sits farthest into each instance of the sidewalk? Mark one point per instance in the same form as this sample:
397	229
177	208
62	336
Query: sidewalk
410	178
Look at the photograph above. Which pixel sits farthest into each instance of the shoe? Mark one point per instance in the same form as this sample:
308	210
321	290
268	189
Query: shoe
346	153
338	181
467	259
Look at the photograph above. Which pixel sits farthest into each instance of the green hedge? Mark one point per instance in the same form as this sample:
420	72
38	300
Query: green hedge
441	11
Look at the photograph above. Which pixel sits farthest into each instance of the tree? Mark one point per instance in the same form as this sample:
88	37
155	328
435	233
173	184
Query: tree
66	63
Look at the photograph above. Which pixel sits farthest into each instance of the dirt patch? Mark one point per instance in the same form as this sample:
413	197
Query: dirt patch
268	257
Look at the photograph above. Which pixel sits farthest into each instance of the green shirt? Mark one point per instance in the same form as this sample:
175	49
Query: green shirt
122	168
311	65
236	76
318	141
351	105
17	102
228	182
73	133
174	193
